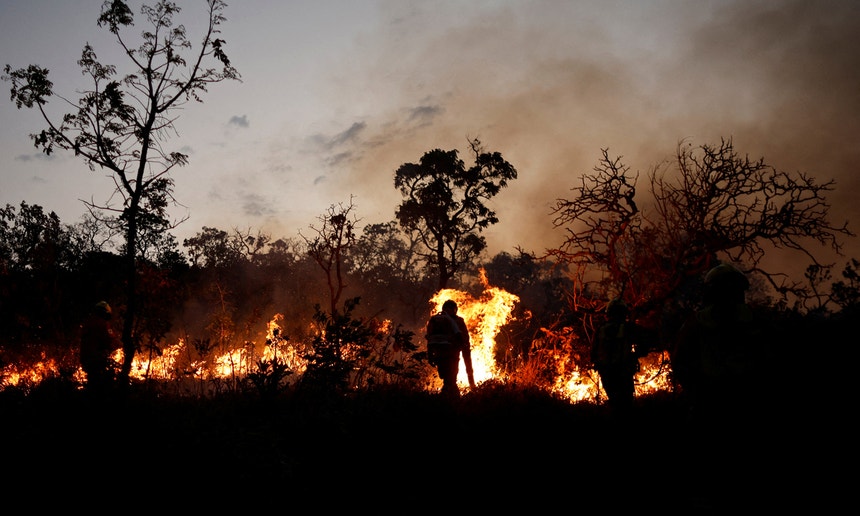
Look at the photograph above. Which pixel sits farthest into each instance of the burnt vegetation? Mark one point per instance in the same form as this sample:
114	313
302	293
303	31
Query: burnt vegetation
350	302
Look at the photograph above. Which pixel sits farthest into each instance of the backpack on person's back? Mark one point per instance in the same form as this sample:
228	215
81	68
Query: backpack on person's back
442	336
613	348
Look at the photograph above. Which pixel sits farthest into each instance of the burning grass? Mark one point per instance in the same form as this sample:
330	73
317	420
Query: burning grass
377	355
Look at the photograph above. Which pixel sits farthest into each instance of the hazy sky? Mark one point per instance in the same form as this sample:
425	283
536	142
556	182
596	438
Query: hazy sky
336	95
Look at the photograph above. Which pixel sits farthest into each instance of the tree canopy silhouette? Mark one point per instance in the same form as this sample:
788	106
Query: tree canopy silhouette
446	205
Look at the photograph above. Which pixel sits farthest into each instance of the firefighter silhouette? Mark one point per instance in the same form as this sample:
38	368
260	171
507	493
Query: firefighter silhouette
720	353
98	342
447	339
615	356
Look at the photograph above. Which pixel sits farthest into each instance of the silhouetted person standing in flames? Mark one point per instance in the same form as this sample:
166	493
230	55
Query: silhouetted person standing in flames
98	342
447	338
615	357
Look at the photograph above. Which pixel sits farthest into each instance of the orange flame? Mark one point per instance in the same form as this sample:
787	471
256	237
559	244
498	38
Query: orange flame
484	317
14	376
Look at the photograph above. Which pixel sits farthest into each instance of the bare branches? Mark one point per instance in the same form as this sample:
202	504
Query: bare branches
334	238
708	202
604	206
721	202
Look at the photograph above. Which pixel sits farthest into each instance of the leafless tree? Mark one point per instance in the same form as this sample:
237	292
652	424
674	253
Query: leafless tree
334	237
709	204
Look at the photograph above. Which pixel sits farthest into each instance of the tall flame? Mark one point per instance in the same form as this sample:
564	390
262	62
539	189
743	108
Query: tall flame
484	318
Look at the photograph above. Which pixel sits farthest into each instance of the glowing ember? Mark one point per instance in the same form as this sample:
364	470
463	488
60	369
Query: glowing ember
277	349
233	363
161	367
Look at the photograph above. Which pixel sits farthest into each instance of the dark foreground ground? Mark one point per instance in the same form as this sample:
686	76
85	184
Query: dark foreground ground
498	449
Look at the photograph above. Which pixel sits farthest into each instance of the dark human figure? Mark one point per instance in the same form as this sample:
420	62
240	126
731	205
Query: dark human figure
615	356
720	352
721	364
98	342
447	338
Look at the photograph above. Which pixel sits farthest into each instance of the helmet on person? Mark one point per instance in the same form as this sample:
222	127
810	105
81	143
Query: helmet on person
726	277
103	308
616	307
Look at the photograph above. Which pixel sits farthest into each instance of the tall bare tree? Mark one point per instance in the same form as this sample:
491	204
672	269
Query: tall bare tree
123	123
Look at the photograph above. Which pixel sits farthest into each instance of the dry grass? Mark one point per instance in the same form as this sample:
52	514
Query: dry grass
502	442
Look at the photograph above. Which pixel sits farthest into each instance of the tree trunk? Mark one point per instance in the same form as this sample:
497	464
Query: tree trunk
128	338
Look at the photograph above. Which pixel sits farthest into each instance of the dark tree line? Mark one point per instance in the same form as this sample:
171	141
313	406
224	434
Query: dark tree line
648	246
219	293
223	288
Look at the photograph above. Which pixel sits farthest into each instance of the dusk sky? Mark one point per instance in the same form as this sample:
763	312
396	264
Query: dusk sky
336	95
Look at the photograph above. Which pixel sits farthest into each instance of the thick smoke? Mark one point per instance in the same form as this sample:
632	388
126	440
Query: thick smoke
548	86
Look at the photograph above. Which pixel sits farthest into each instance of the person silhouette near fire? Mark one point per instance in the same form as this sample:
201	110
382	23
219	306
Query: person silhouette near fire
447	339
720	356
723	364
98	342
615	355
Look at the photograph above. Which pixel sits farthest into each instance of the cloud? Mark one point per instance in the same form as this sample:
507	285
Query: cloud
349	135
255	205
424	114
340	158
39	156
326	143
239	121
549	88
338	149
215	196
